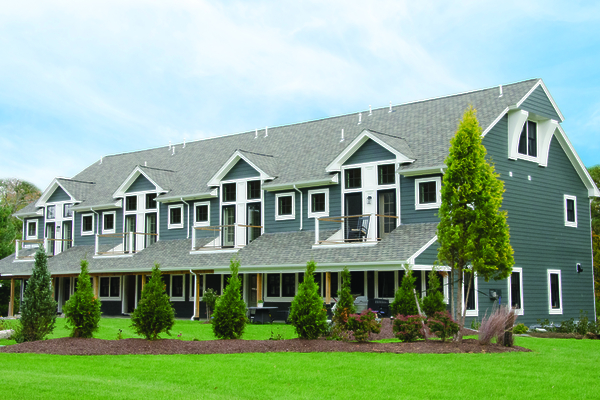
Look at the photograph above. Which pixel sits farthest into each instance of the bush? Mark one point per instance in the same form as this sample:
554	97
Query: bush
498	325
82	310
363	324
433	302
154	313
229	319
345	304
583	325
567	326
408	328
210	297
38	314
520	329
307	314
404	299
442	325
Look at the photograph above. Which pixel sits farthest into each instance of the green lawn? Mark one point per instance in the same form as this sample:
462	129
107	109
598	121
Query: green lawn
557	368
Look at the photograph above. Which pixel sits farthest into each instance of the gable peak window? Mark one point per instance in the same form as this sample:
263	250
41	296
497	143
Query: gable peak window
386	174
50	212
151	201
528	139
253	190
353	178
131	203
229	192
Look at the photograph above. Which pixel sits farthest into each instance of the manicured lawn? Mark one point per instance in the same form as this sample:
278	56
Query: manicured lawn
557	368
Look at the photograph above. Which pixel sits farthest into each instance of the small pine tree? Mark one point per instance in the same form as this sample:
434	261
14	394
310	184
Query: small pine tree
434	300
404	300
82	310
345	305
210	298
154	313
229	318
38	314
307	315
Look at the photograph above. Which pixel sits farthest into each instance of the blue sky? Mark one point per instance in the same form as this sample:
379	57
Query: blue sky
81	80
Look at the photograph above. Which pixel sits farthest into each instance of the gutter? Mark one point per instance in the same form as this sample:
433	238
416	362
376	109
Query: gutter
301	206
330	181
423	171
196	196
97	207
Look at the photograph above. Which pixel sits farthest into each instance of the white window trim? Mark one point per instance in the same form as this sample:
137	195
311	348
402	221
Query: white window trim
175	226
64	216
113	230
137	203
285	217
46	214
88	233
438	195
519	311
550	309
574	198
279	298
322	213
182	297
110	298
527	157
202	203
475	312
27	236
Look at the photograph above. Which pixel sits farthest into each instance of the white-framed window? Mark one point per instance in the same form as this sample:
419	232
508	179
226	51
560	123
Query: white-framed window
110	288
202	213
528	141
428	193
67	212
282	285
570	205
151	201
176	216
515	290
318	203
32	229
285	206
177	288
50	212
471	302
131	203
554	292
109	221
87	224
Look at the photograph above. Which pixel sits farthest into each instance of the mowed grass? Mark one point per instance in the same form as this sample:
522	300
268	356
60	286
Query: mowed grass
557	368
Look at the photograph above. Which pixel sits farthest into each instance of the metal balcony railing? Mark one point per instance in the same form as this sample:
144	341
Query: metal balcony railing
115	244
224	236
364	228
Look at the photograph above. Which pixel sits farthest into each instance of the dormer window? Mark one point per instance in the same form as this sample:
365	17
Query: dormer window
131	203
353	178
50	212
528	139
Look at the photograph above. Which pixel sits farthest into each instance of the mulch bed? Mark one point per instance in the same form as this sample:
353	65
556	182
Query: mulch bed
72	346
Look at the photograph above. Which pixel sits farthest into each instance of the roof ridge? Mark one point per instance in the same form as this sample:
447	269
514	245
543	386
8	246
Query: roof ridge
258	154
77	180
157	169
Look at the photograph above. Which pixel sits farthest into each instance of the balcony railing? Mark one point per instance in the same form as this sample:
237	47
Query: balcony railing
219	237
364	228
117	244
24	248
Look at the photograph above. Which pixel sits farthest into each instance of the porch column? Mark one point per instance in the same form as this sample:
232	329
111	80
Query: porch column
327	287
197	297
95	280
259	294
143	281
11	305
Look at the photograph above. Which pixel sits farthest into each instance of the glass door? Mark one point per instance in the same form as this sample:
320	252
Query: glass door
254	221
150	228
228	226
130	224
386	206
50	236
67	233
353	208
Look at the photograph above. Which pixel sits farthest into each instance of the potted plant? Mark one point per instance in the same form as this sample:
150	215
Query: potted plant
260	304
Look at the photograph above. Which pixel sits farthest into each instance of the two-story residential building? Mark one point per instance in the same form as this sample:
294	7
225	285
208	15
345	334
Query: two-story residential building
360	191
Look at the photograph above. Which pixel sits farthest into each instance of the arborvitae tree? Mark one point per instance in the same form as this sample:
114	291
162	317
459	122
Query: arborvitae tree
404	300
472	231
210	298
82	310
229	318
154	313
38	314
308	315
345	304
434	300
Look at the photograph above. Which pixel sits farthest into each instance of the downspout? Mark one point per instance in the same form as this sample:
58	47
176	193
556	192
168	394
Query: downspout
301	206
188	216
97	227
196	294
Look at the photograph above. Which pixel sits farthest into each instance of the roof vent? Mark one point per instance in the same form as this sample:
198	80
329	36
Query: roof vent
183	143
173	153
500	87
342	139
359	118
370	111
145	163
169	145
101	160
255	133
266	131
390	107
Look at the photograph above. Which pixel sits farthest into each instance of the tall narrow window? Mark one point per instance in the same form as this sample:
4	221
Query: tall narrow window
177	287
554	292
273	285
528	139
471	298
570	203
516	290
151	201
32	230
253	190
229	192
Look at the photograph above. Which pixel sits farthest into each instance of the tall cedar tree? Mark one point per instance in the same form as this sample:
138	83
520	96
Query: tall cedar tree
345	303
434	300
308	315
154	313
38	314
404	299
82	310
229	319
472	233
595	213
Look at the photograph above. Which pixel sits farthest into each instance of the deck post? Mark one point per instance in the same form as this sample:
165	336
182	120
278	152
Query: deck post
95	280
11	304
316	230
197	297
259	295
327	287
143	281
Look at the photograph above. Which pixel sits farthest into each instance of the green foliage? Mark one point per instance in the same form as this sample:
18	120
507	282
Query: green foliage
596	251
595	207
434	300
308	315
520	329
210	298
229	319
363	324
404	299
82	310
472	229
442	325
154	313
38	314
345	304
408	328
8	232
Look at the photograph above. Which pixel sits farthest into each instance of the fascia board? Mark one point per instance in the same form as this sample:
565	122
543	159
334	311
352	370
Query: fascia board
577	163
41	202
229	164
137	171
107	206
541	83
494	122
334	180
438	169
207	195
38	213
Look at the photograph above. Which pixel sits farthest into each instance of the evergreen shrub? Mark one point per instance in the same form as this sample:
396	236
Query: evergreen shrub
82	310
229	318
408	328
210	298
154	313
307	314
520	329
434	300
404	299
345	304
363	324
442	325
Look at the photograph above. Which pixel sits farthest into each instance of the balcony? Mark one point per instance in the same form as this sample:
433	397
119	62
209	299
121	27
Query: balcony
123	244
354	230
223	237
25	249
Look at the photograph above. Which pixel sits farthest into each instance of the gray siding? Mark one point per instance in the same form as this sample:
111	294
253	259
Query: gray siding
408	214
58	195
179	233
141	184
271	225
241	170
40	227
429	256
79	240
369	152
538	103
118	220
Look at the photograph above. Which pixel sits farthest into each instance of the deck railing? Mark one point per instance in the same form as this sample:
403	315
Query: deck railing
115	244
363	228
216	237
52	247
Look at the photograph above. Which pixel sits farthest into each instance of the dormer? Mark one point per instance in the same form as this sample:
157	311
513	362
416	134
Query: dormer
55	193
141	179
244	164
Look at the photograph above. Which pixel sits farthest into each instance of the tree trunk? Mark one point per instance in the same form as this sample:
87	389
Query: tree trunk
459	305
452	302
